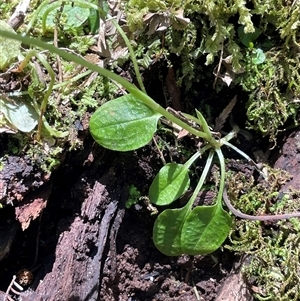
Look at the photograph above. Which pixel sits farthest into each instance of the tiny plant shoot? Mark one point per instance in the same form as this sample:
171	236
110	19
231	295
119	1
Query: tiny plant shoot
129	122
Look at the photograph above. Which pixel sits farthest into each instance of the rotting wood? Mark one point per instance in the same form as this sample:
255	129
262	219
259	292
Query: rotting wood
235	288
112	239
81	252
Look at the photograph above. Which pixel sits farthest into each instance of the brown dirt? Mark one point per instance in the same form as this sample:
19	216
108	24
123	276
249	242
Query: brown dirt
86	240
86	246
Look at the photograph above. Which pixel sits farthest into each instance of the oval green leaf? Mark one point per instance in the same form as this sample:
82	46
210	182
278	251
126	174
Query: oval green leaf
20	114
247	38
9	49
170	183
123	124
258	56
205	229
167	231
72	17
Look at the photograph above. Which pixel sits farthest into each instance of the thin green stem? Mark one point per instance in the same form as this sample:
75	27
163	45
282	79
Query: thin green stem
228	137
243	155
132	55
191	160
48	91
41	109
222	176
57	86
210	139
202	178
123	82
36	14
203	123
53	132
71	80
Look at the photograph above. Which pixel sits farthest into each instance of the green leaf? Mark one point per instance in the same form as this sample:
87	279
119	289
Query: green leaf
9	49
205	229
72	17
258	56
93	21
247	38
169	184
20	114
123	124
167	231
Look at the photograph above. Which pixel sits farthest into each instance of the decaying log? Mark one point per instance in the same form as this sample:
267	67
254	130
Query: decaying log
81	249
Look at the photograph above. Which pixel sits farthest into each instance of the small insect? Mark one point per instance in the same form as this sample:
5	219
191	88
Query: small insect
24	277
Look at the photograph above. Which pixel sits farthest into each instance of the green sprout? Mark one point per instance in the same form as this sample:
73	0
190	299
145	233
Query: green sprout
134	196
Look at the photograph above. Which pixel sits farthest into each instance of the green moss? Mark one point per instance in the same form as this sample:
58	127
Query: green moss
134	196
6	7
274	262
273	248
46	155
273	86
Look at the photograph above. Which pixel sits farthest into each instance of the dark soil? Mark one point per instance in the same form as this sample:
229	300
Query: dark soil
81	244
86	246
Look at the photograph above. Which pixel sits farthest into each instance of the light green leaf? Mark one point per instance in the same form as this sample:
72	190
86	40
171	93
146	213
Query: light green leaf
93	20
247	38
169	184
258	56
9	49
123	124
20	114
72	17
205	229
167	231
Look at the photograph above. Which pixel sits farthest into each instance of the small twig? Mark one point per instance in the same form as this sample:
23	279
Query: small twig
18	17
196	292
159	151
219	68
256	217
58	61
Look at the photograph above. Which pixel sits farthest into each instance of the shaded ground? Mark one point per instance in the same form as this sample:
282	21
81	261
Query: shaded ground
80	244
86	246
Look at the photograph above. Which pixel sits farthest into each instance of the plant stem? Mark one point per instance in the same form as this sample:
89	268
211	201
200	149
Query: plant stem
48	92
257	217
132	55
202	179
191	160
243	155
222	176
42	108
72	79
210	139
36	14
123	82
